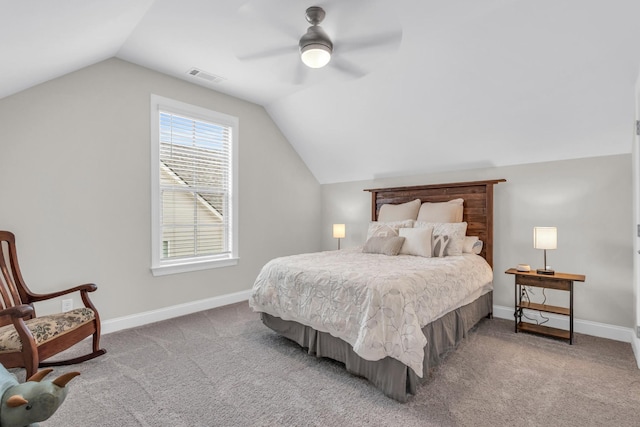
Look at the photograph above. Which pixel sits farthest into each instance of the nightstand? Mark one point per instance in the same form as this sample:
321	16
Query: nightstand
558	281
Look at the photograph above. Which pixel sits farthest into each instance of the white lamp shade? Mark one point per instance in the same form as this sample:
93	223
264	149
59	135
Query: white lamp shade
316	55
338	231
545	237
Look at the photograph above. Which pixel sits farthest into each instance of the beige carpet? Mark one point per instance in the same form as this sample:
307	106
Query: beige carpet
222	367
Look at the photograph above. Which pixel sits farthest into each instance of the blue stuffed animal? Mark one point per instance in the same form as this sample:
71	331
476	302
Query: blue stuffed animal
24	405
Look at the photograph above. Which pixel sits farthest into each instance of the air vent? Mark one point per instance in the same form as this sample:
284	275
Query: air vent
208	77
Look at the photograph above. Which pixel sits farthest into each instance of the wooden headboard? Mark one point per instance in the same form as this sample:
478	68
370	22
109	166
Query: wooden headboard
478	205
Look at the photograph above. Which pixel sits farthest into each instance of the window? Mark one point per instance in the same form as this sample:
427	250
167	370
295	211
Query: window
194	197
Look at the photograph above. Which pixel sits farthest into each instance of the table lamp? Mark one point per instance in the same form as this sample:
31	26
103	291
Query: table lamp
338	232
545	238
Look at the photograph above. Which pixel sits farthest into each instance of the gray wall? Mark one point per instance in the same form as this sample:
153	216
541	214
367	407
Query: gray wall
589	200
75	188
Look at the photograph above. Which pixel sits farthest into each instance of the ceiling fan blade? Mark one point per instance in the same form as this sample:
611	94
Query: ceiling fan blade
267	53
347	45
347	67
290	31
263	32
301	73
261	15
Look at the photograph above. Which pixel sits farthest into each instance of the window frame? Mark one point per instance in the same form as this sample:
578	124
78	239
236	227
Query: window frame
160	267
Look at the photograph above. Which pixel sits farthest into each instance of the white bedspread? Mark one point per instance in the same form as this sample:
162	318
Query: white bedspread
376	303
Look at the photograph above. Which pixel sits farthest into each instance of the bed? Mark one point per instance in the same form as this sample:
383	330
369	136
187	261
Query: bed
389	319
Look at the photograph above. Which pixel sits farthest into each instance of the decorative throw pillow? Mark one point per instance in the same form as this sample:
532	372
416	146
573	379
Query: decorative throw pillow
385	229
450	211
472	245
467	246
400	212
383	245
440	244
417	241
455	230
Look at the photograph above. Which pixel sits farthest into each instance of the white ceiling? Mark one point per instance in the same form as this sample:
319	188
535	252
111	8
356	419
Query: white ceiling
414	86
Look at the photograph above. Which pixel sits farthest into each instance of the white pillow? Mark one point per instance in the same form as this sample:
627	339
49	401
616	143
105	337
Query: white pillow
467	247
417	241
472	245
450	211
455	230
400	212
386	229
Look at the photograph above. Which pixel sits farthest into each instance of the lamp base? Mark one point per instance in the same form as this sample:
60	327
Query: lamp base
547	272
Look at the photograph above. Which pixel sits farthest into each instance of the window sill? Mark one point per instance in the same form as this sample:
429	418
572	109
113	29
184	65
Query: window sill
185	267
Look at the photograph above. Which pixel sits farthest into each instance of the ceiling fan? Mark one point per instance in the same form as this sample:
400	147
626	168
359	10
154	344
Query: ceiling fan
316	49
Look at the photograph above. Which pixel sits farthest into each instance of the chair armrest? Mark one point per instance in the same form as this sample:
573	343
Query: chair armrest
87	287
21	310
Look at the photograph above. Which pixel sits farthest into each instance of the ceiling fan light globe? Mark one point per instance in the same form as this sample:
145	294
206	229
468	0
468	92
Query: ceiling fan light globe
315	55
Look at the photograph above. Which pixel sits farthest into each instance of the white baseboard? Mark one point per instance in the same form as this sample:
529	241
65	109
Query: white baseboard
587	327
152	316
635	345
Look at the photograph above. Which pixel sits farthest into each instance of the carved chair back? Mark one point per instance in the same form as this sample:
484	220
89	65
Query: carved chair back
13	291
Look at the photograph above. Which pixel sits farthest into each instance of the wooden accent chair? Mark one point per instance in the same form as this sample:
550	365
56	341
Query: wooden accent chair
26	339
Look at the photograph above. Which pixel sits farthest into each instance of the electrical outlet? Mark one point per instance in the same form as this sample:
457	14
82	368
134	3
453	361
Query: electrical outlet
67	305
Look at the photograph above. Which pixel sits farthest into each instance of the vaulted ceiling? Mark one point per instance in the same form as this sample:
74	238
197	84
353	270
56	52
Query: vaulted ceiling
414	86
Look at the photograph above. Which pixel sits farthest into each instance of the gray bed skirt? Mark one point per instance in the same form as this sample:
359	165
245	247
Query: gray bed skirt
389	375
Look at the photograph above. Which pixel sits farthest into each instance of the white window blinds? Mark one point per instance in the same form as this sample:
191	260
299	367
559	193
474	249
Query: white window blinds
195	166
194	184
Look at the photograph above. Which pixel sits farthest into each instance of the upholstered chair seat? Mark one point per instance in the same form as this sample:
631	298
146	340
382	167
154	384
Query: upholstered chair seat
45	328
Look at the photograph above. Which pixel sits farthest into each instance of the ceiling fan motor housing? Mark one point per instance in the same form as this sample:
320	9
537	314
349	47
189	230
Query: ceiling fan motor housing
315	35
